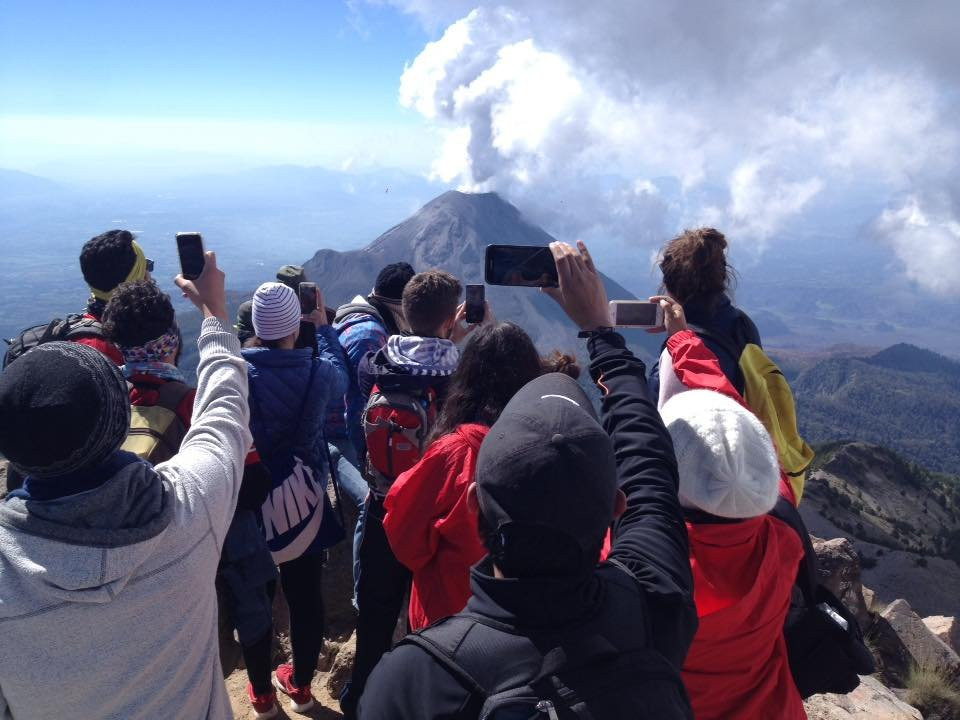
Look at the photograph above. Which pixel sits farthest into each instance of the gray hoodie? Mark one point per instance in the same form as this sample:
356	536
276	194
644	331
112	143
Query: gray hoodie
107	600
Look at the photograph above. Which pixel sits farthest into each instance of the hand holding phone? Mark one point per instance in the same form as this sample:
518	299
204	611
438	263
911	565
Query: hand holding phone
207	291
190	249
308	297
636	313
520	265
673	319
581	293
475	304
311	304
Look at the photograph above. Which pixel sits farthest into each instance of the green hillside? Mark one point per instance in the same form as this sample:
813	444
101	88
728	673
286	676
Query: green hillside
903	398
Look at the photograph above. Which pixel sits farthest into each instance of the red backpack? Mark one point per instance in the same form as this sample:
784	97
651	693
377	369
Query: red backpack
396	424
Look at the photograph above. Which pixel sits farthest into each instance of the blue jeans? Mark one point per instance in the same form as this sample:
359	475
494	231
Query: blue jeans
356	489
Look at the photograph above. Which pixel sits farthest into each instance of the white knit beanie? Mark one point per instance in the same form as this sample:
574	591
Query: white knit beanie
728	465
276	311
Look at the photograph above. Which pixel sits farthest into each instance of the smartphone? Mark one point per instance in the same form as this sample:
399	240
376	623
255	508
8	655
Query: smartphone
190	248
308	297
522	265
635	313
475	306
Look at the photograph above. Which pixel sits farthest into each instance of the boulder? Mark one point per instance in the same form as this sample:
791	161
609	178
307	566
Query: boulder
342	666
840	572
945	628
927	650
871	701
894	660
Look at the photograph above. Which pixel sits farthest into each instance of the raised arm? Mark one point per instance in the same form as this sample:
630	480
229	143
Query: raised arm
211	456
650	537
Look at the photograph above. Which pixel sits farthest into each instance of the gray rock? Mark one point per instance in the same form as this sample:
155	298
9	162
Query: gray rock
840	573
945	628
342	666
894	660
871	701
927	650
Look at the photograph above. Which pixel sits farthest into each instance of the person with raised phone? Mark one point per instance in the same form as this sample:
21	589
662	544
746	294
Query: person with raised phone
548	631
107	602
290	388
405	384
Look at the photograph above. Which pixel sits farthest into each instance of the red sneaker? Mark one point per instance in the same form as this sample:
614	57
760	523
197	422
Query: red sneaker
301	699
265	705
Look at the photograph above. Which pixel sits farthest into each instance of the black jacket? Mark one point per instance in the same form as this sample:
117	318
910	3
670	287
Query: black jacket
724	328
650	538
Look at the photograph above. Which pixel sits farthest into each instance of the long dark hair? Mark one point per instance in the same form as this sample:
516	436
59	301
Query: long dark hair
497	361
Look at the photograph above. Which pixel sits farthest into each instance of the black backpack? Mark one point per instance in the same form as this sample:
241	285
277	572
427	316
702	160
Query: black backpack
74	327
606	670
824	640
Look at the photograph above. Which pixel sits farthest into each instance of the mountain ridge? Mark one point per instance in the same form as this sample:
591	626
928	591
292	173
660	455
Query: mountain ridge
451	232
903	397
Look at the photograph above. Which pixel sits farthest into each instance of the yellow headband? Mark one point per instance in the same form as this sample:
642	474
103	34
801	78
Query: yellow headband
137	272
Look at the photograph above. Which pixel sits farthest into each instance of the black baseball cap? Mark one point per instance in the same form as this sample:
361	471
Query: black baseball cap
547	462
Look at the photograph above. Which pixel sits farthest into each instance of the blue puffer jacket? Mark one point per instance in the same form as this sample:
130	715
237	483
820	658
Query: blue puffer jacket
278	387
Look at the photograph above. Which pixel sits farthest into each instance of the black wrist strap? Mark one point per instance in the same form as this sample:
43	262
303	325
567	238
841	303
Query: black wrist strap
595	331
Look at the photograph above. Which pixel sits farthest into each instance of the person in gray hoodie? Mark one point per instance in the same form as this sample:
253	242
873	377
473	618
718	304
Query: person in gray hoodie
107	600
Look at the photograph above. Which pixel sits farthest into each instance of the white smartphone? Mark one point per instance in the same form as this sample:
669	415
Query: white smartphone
635	313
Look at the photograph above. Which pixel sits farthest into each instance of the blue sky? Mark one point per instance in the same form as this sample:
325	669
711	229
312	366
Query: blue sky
82	78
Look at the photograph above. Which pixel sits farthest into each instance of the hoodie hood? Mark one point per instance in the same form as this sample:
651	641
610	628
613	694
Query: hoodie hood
415	355
112	530
386	313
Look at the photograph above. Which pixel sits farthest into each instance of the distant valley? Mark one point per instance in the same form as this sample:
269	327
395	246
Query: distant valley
812	289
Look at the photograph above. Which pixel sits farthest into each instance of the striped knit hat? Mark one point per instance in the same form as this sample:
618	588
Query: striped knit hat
276	311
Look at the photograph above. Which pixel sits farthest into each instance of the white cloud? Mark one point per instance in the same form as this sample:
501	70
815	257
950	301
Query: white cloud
926	238
754	109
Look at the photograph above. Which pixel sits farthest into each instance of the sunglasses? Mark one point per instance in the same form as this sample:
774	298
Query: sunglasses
149	265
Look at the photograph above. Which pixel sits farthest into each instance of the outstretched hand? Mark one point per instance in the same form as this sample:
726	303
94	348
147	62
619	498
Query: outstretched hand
674	319
461	330
207	291
581	293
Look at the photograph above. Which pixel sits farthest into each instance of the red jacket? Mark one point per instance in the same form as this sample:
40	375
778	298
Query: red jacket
102	344
743	576
143	394
430	528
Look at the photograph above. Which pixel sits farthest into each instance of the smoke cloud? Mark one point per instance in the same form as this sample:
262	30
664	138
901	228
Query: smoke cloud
631	120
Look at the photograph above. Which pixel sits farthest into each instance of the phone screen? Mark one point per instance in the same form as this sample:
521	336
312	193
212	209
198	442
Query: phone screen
190	248
308	297
640	313
523	265
475	309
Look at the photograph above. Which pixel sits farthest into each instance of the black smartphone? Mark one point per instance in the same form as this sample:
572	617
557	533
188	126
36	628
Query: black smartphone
308	297
190	248
475	307
635	313
522	265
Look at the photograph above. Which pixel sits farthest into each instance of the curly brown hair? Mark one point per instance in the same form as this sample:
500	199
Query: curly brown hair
694	265
137	313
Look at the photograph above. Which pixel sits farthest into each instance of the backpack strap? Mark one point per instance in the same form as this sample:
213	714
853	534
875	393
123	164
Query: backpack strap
171	394
441	641
78	326
808	575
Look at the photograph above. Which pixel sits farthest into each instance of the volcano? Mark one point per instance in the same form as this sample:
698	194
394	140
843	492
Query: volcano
451	232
